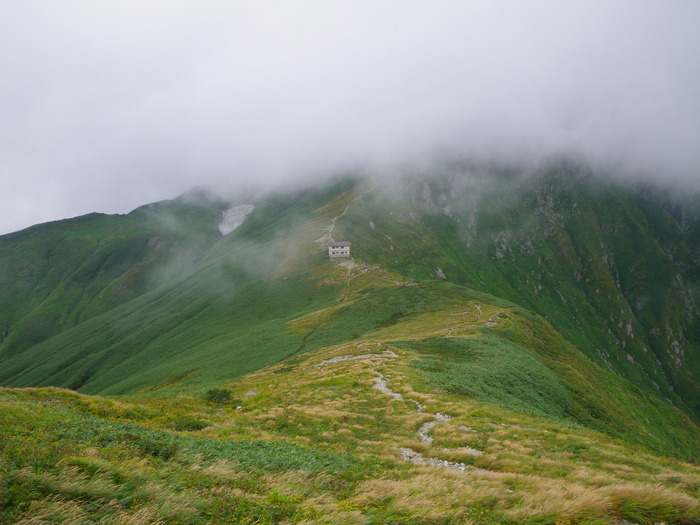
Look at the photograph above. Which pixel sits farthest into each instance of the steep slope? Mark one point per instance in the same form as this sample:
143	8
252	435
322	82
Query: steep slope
615	272
612	274
55	276
215	309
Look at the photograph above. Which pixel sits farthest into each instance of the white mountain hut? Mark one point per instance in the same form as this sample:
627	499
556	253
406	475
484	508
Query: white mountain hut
339	249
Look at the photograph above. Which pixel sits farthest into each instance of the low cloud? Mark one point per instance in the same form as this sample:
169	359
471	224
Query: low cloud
109	105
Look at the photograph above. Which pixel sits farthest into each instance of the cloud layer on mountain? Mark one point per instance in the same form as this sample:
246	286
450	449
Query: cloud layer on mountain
108	105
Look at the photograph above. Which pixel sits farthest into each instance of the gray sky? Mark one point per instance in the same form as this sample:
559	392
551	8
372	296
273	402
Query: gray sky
105	106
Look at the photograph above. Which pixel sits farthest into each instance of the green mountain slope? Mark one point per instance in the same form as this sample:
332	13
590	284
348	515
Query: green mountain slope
556	303
115	304
613	271
207	301
55	276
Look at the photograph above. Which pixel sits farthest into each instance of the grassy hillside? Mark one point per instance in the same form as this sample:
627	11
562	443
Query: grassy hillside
532	353
216	314
413	422
614	272
55	276
354	433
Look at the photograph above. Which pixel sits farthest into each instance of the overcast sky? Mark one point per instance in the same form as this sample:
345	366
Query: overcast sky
105	106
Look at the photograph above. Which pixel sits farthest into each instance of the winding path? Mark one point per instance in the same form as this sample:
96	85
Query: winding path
381	383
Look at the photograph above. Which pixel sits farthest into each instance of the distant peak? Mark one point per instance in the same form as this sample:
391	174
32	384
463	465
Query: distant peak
197	194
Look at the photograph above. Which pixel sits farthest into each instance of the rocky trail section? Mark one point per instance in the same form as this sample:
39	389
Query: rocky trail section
423	431
417	458
381	383
328	230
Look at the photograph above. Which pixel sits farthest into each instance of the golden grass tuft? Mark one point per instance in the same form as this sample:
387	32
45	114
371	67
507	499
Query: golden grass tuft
651	499
141	516
566	501
434	495
639	502
53	510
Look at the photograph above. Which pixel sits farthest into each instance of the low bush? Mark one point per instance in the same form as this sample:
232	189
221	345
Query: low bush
218	396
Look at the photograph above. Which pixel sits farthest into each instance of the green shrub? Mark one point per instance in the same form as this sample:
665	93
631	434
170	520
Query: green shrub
189	424
158	448
218	396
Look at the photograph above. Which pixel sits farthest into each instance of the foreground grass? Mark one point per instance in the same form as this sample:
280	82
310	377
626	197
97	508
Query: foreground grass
519	468
71	458
313	441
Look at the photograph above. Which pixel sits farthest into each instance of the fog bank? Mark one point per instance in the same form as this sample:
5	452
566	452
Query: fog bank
109	105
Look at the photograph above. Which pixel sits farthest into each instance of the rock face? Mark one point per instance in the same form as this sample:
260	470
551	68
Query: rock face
234	217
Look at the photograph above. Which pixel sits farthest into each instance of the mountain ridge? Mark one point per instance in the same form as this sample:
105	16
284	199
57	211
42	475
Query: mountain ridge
441	217
555	297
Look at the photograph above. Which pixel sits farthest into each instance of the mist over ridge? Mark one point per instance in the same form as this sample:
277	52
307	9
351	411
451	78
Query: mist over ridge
112	106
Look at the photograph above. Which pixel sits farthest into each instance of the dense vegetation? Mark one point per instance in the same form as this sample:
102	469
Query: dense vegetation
552	319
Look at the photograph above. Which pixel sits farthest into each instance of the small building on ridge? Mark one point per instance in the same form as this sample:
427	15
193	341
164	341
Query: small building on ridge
339	249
